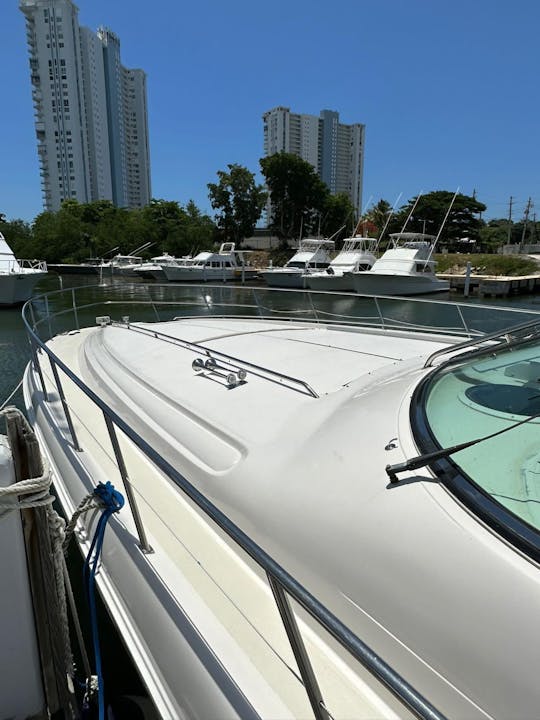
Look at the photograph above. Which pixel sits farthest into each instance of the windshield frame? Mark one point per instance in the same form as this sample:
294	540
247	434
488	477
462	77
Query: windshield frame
508	526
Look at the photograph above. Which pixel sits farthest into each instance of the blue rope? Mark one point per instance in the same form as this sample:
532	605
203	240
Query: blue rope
112	502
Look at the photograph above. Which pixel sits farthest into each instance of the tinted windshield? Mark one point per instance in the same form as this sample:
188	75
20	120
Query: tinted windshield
484	396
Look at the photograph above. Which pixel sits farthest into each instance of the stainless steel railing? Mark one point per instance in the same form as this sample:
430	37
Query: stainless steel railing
283	585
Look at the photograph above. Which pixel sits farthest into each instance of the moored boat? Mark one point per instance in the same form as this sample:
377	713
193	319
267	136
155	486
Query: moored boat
207	266
340	456
357	254
312	255
153	269
17	277
405	268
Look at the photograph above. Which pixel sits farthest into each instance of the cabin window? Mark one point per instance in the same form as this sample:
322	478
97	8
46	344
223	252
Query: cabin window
500	476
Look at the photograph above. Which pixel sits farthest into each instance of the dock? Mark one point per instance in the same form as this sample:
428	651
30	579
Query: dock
494	285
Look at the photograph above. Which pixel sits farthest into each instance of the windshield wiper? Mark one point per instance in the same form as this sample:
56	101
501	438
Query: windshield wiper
422	460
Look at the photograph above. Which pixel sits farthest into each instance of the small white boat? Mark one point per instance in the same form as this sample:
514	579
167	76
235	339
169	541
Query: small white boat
383	472
357	254
313	254
17	277
406	268
207	266
153	269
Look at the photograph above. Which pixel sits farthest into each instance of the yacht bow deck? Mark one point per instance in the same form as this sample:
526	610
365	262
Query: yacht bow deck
294	454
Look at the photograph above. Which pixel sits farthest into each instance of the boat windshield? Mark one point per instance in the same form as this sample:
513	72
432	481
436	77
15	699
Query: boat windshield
480	397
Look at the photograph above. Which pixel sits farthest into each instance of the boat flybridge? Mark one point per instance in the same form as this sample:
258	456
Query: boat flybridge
357	254
17	277
331	500
312	255
405	268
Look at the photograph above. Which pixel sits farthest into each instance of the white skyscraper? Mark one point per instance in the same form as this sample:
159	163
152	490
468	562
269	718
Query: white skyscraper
90	112
336	151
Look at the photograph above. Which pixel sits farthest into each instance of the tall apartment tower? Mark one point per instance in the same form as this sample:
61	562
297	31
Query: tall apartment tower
336	151
90	112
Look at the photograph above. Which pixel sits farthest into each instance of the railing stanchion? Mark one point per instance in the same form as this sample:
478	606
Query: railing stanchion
257	302
35	358
297	644
381	317
64	404
463	321
48	316
313	307
74	305
143	540
30	305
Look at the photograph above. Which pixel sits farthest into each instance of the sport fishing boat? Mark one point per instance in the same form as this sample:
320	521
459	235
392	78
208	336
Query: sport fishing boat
332	506
207	266
357	254
312	255
406	268
17	277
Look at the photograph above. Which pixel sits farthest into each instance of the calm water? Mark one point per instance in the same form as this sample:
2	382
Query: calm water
14	348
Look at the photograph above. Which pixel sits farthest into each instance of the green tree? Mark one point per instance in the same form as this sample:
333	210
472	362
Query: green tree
429	213
297	195
239	202
378	215
339	214
19	236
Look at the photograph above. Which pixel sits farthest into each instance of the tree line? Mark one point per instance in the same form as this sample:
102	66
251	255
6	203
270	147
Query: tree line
300	203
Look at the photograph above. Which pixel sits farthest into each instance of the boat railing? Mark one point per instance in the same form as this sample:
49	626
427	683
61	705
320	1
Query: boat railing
507	337
234	363
60	311
43	312
15	265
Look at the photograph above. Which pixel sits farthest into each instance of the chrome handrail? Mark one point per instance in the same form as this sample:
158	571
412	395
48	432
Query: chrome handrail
504	334
280	580
275	376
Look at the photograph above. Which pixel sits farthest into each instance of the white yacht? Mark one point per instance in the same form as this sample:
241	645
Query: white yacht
153	269
17	277
406	268
383	473
312	255
123	265
207	266
357	254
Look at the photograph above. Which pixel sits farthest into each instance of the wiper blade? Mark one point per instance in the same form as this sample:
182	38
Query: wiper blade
422	460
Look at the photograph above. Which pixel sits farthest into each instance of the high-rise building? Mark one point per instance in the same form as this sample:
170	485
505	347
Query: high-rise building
90	112
336	151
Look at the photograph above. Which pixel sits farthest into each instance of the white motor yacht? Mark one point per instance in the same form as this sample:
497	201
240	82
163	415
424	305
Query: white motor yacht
207	266
357	254
312	255
153	269
406	268
17	277
340	516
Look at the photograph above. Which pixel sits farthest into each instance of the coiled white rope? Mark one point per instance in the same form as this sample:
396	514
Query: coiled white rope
34	493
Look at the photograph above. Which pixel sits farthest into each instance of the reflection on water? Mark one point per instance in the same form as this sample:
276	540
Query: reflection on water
76	301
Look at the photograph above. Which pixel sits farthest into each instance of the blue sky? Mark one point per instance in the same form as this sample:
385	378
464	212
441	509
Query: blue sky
448	91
